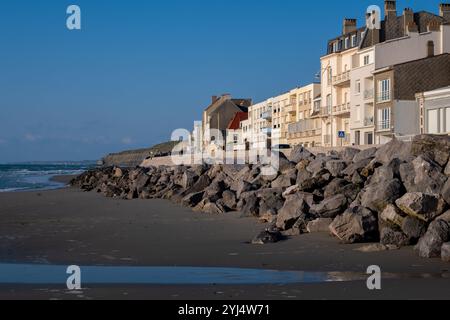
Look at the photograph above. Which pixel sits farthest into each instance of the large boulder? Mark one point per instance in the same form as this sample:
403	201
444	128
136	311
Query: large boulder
335	187
348	154
395	149
229	199
445	192
423	206
250	205
267	236
447	170
355	226
422	175
330	207
202	183
386	172
213	208
242	187
430	244
294	208
378	196
356	167
192	199
336	167
285	180
393	236
414	228
392	215
445	252
319	225
365	154
436	148
188	179
299	153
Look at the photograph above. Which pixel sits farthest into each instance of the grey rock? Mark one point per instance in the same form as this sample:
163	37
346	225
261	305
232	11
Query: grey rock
392	236
349	154
436	148
334	187
229	199
446	192
242	186
319	225
250	206
378	195
188	179
414	228
294	207
201	184
425	207
365	154
291	190
330	207
387	172
445	252
336	167
299	153
430	244
316	165
302	176
285	180
192	199
392	214
425	176
356	167
395	149
447	170
267	236
445	216
356	226
213	208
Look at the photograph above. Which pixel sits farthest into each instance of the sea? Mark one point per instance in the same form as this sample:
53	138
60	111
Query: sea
16	177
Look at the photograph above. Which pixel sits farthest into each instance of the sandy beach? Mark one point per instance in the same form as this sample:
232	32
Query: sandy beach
67	226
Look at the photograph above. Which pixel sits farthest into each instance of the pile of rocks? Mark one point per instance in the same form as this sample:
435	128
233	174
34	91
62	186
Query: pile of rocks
397	195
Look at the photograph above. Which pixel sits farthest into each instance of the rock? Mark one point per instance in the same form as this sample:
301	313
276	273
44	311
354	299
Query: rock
395	149
267	236
118	173
298	228
268	216
351	191
202	183
299	153
349	154
334	187
330	207
422	176
285	180
241	187
355	226
414	228
357	179
423	206
291	190
250	206
392	215
283	163
270	201
445	252
319	225
387	172
445	216
446	192
294	208
188	179
376	247
141	182
336	167
430	244
213	208
302	176
391	236
378	196
447	170
316	166
365	154
192	199
356	167
435	148
302	165
214	191
229	199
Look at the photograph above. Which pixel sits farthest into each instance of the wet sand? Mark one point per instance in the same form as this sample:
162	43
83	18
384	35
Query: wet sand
68	227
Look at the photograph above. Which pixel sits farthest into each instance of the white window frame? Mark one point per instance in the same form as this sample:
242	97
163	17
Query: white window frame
384	90
358	87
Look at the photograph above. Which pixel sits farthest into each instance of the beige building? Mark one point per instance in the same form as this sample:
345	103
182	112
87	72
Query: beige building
434	115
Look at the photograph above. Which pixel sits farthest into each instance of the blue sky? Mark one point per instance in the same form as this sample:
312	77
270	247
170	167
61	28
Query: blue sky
139	69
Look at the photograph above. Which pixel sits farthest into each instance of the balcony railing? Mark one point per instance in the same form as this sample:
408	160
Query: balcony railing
291	108
384	96
325	111
267	115
384	125
369	121
368	94
342	108
341	78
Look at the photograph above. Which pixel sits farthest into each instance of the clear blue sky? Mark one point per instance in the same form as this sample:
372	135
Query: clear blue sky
139	69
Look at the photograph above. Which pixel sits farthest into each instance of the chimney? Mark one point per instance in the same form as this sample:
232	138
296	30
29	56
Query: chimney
408	21
214	99
349	25
390	9
444	11
226	96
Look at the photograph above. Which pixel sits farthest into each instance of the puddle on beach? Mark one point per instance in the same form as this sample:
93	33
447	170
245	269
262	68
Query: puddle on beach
49	274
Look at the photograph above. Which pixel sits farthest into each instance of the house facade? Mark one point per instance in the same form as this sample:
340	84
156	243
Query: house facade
434	111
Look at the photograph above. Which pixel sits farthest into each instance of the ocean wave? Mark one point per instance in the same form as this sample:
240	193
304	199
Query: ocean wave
12	189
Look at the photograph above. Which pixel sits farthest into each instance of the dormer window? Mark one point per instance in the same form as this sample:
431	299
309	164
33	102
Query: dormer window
335	46
354	40
347	43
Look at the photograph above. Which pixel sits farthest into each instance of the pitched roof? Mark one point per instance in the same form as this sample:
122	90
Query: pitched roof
235	124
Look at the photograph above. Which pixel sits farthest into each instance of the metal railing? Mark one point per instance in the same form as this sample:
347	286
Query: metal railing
384	96
369	94
384	125
341	78
369	121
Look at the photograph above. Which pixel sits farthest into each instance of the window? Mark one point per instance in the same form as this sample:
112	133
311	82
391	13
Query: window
358	113
384	90
354	40
384	117
366	60
330	75
358	86
433	121
235	138
447	119
357	138
347	43
329	102
335	46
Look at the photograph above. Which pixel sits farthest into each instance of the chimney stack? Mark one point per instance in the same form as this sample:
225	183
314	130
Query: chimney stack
408	21
349	25
444	11
214	99
390	9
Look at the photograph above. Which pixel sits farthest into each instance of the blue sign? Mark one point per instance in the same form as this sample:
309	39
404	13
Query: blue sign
341	134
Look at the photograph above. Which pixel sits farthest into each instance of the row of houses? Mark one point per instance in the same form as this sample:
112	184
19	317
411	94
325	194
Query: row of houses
376	83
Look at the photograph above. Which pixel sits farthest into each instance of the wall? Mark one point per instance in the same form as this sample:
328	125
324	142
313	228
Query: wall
406	115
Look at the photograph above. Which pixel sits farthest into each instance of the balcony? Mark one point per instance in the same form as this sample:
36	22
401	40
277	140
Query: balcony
291	108
267	131
267	115
384	96
369	94
368	121
384	125
342	108
325	112
342	79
